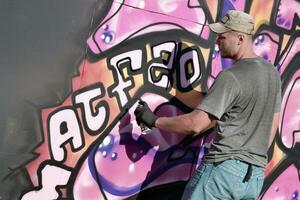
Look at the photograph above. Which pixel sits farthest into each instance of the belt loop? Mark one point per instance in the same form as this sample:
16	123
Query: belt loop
248	174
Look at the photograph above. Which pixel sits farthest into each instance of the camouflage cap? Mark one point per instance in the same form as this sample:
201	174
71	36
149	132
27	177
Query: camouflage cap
236	21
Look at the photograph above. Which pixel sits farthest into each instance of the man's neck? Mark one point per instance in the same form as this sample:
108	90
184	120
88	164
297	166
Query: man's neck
245	52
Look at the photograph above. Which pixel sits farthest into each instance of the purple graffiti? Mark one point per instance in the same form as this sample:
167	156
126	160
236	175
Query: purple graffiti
218	63
290	138
232	5
130	18
266	45
291	50
286	12
280	190
126	162
290	124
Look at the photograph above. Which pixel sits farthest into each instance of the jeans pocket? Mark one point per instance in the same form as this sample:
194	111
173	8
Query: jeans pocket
223	184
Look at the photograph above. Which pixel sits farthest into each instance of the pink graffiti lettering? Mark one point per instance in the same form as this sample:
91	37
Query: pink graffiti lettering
52	176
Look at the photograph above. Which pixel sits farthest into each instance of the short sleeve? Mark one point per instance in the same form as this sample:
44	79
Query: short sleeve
221	95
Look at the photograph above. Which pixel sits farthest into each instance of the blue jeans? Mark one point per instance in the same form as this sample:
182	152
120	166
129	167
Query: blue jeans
224	181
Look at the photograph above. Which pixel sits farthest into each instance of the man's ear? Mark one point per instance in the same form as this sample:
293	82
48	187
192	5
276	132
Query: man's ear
241	38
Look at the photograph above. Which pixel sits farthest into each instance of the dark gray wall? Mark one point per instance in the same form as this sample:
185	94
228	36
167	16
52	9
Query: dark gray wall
41	44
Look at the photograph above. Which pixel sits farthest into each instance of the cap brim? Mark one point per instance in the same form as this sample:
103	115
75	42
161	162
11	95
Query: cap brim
218	28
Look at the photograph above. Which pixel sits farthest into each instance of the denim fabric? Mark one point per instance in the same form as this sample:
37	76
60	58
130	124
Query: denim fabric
224	181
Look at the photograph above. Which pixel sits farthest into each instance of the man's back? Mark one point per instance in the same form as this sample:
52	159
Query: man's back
245	119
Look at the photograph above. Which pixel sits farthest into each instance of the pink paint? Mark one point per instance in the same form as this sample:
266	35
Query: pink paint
286	13
280	190
53	177
126	164
216	65
145	16
86	187
266	46
210	81
291	51
238	4
290	121
206	32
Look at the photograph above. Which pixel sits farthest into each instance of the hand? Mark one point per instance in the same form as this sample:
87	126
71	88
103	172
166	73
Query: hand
144	115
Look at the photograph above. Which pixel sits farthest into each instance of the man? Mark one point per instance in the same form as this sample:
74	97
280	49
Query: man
244	101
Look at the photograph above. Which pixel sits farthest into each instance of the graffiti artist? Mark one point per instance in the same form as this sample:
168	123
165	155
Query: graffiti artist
244	102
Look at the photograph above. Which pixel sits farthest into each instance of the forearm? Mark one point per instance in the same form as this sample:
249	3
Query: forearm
193	123
179	124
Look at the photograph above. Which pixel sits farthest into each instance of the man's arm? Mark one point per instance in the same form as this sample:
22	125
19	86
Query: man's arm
274	128
194	123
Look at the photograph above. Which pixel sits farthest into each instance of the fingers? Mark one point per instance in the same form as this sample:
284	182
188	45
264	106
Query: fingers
142	102
138	121
138	110
141	108
143	114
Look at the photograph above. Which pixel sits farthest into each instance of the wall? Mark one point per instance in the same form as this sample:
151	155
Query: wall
161	52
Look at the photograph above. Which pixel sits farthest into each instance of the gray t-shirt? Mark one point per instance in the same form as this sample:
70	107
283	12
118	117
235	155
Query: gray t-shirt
243	99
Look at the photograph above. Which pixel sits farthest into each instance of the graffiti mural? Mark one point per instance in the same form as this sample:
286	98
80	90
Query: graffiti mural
164	53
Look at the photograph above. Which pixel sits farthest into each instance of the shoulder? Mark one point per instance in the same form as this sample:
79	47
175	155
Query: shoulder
227	75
